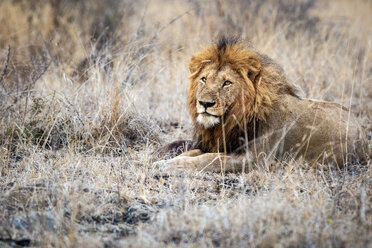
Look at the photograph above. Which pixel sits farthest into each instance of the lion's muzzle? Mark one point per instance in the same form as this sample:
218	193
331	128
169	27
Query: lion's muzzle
208	113
207	120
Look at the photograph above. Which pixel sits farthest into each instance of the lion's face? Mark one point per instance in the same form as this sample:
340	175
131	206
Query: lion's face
217	90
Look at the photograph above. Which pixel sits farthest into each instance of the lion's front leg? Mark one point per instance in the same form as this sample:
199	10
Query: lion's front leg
191	153
200	162
214	162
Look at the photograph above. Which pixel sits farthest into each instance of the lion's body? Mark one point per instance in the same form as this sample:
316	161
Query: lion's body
316	131
243	108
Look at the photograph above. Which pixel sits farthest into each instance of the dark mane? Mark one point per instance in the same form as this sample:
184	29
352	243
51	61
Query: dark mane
224	41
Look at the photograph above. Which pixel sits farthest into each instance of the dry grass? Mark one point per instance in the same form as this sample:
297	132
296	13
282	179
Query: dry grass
92	88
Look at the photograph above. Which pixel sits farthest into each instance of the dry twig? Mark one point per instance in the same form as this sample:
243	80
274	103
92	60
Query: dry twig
5	67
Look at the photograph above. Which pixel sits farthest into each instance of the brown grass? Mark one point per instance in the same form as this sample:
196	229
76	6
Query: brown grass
92	88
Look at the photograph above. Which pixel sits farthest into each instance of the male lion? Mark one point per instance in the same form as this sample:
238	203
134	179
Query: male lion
244	110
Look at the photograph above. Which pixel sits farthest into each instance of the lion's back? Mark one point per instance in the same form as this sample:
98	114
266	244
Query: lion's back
319	131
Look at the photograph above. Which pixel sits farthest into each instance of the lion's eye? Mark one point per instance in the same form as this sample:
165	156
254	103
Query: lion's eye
226	83
204	79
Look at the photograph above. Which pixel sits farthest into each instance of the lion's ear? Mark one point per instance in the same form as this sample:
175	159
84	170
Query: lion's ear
194	65
197	63
254	68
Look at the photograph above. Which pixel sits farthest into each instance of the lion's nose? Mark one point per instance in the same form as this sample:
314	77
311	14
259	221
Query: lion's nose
207	104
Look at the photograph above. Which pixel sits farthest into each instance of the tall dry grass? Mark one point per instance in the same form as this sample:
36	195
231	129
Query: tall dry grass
88	90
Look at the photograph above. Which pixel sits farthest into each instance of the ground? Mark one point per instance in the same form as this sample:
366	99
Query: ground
90	89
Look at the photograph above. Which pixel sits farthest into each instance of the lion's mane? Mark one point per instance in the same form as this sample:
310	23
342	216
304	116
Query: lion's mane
264	83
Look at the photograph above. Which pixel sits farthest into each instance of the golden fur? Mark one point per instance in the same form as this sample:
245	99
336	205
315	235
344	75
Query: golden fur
244	109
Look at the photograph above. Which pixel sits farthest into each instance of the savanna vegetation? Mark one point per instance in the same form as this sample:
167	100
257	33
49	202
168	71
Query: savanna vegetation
90	89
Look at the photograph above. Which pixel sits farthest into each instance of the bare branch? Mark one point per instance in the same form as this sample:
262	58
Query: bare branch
156	35
5	67
40	67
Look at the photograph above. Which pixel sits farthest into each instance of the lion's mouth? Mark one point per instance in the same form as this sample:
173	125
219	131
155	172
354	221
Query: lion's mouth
209	114
208	120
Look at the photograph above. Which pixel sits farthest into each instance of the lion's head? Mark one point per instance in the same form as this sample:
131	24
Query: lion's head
231	86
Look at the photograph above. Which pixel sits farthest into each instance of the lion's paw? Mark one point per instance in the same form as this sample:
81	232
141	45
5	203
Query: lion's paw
170	166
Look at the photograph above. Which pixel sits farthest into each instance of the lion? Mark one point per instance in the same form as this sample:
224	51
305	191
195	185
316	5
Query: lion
245	111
